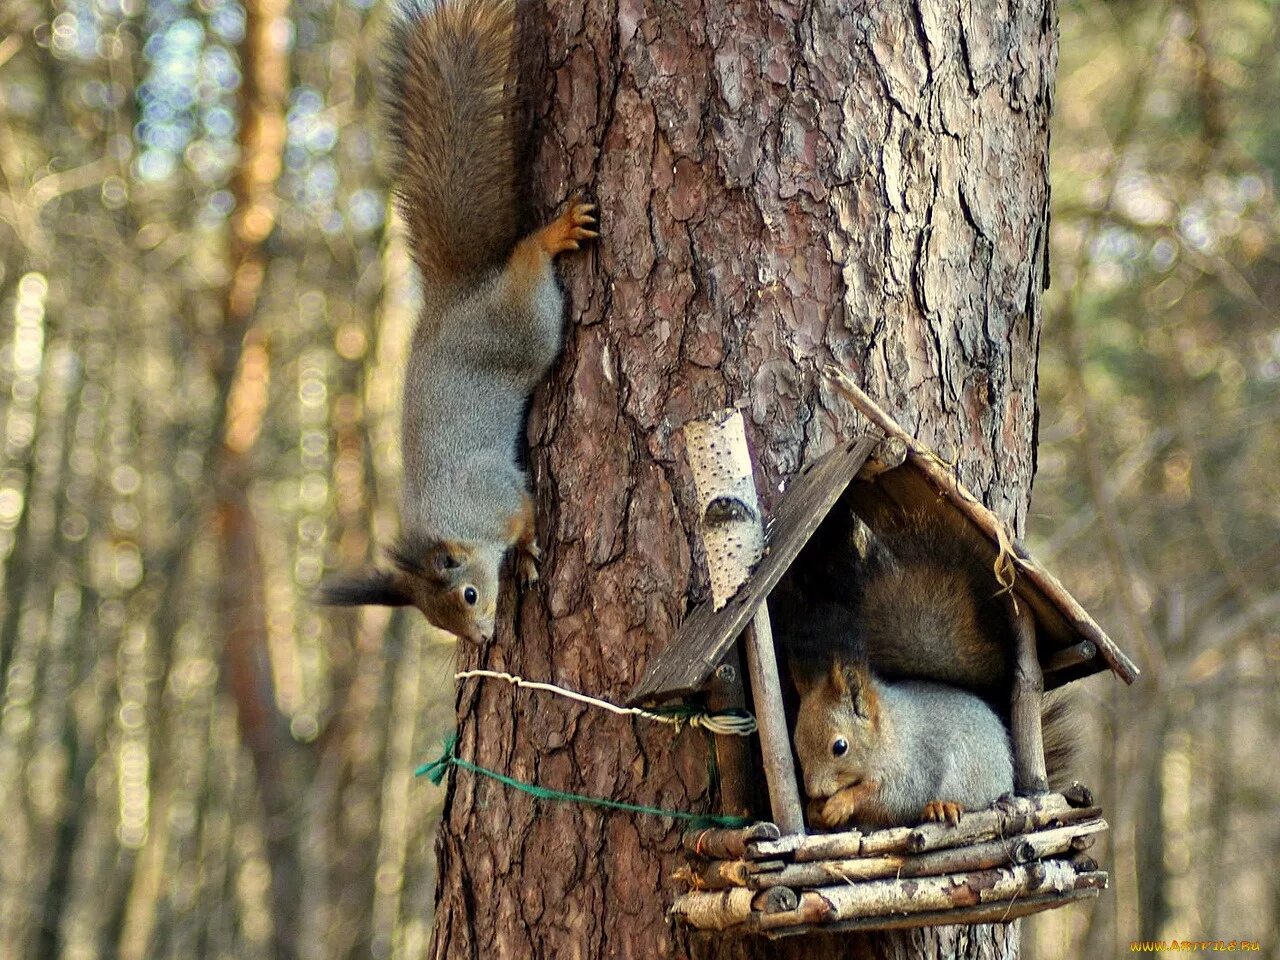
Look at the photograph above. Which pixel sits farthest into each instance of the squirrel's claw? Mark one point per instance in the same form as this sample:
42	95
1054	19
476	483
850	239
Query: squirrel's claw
582	220
565	231
940	811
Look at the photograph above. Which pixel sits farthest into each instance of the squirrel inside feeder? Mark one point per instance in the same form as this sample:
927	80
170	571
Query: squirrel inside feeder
902	653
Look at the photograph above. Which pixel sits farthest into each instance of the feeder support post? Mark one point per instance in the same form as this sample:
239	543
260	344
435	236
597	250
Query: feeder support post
733	753
1029	774
732	534
775	743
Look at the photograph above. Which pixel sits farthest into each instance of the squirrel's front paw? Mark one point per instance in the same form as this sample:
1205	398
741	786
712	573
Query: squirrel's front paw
836	811
567	231
940	811
527	562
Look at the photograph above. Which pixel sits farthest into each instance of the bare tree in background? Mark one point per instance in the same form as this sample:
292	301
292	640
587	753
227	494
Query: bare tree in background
781	186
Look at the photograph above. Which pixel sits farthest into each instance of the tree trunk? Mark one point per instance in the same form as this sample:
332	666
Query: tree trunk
781	186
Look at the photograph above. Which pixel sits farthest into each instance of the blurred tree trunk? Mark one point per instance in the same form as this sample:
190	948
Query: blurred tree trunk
1153	880
241	372
781	186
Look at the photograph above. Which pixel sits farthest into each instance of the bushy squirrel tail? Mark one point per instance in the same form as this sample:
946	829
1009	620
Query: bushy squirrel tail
450	93
1060	739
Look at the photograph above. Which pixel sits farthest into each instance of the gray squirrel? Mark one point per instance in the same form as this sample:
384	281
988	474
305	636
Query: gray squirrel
492	322
882	754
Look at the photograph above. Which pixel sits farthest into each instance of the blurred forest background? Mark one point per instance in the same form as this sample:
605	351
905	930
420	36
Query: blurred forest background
202	322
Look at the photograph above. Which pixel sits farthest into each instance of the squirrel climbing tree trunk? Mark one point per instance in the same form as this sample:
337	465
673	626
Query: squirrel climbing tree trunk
781	186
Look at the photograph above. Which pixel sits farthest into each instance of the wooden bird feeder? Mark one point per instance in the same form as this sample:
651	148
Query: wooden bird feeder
1024	855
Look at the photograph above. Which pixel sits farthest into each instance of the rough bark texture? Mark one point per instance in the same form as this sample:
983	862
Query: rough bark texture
781	186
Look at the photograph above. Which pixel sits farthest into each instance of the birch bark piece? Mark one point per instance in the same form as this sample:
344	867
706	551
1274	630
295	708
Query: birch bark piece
729	510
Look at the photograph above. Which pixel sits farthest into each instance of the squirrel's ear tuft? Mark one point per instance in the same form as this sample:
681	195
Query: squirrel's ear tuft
438	561
378	587
842	677
852	681
444	560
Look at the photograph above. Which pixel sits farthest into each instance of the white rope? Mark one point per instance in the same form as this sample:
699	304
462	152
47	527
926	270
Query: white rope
740	724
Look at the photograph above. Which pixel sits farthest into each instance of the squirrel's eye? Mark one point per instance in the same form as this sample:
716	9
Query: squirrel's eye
470	596
839	747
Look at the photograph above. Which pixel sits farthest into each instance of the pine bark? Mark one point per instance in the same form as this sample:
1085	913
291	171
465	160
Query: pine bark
781	186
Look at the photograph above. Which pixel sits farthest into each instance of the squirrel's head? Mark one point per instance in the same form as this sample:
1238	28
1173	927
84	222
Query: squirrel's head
455	585
837	727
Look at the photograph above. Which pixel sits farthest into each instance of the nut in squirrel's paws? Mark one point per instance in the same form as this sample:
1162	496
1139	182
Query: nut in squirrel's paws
527	562
942	811
567	231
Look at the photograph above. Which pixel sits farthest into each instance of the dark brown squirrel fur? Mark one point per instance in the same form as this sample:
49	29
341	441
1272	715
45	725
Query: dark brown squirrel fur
916	601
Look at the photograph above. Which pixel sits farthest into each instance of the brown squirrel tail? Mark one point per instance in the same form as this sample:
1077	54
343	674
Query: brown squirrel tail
450	94
931	607
1060	739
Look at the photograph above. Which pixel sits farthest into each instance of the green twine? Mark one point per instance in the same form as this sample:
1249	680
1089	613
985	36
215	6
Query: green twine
436	770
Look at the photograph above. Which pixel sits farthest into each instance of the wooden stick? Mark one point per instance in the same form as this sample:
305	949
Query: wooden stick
725	908
1014	816
1073	656
776	900
729	844
928	464
888	454
1084	863
1093	880
881	897
732	534
775	740
715	874
1080	844
814	913
733	753
730	527
982	856
714	911
984	913
1029	776
723	874
1078	795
